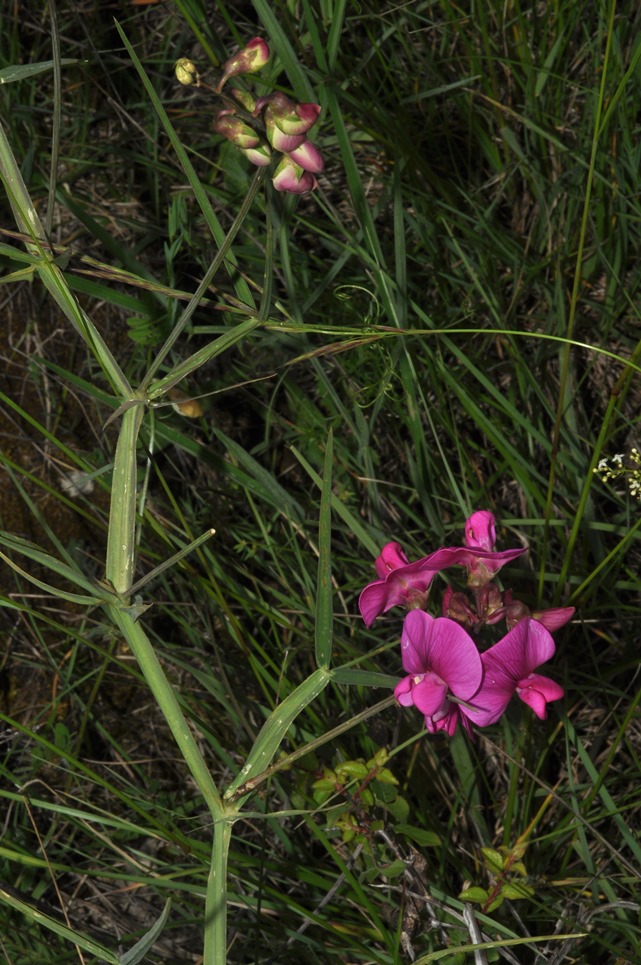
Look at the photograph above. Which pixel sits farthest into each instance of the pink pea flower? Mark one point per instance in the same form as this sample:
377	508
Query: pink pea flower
250	59
441	660
480	531
399	582
291	177
480	537
508	668
482	565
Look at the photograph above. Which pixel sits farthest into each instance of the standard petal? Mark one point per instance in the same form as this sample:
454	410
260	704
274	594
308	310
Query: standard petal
521	651
452	654
490	702
415	641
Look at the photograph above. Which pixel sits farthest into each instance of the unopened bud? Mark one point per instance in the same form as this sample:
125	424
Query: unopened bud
286	114
261	156
244	98
230	126
290	177
250	59
308	157
186	73
279	140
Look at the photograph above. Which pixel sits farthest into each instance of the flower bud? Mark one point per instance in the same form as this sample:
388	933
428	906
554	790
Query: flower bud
230	126
186	73
289	117
280	141
250	59
261	156
244	98
308	157
290	177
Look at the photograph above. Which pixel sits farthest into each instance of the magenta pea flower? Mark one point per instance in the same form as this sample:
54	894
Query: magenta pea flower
399	582
480	531
480	537
508	669
441	659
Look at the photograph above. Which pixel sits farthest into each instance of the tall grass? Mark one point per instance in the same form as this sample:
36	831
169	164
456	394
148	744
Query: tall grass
454	311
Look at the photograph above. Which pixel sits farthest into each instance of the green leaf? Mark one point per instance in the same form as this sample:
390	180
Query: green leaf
9	75
266	487
323	630
515	891
276	726
493	859
140	949
363	678
477	895
10	897
351	771
426	839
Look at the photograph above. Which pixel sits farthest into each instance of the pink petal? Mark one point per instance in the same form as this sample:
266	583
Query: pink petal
308	156
286	143
374	600
554	618
403	692
442	646
509	661
288	176
429	695
521	651
446	719
307	115
480	531
391	557
537	691
260	156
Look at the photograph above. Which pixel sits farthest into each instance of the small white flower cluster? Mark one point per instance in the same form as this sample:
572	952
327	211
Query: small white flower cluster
615	468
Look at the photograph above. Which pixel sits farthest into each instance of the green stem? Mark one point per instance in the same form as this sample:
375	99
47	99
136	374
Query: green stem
215	947
166	699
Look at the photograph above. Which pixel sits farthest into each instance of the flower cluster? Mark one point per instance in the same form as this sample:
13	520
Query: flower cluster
284	129
448	678
615	468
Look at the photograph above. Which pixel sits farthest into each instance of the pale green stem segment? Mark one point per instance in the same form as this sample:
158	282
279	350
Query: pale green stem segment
163	692
223	815
122	519
215	948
